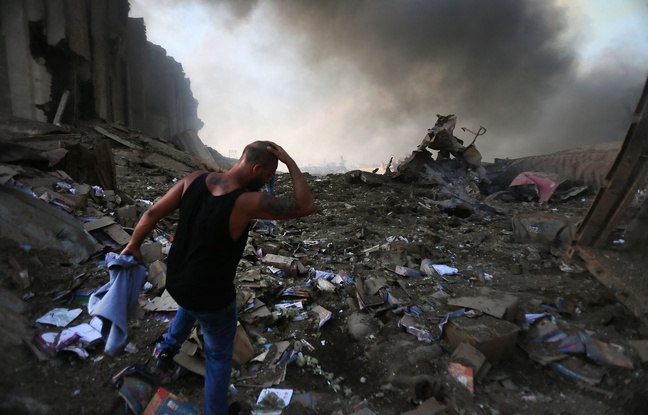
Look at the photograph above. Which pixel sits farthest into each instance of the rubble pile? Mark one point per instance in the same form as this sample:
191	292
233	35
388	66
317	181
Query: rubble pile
397	297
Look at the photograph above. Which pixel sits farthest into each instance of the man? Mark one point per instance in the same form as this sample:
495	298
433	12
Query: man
215	213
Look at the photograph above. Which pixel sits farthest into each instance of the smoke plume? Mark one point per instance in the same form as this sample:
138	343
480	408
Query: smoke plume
385	68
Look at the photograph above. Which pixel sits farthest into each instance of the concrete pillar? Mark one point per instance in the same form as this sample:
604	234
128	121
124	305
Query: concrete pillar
76	19
16	38
55	21
136	49
100	58
117	17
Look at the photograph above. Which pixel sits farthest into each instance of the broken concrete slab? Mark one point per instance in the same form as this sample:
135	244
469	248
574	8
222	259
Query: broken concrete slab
167	163
189	142
8	171
493	337
166	149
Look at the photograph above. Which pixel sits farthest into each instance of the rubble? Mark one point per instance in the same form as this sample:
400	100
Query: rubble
415	297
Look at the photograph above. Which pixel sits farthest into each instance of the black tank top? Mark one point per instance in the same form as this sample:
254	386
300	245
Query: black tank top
203	258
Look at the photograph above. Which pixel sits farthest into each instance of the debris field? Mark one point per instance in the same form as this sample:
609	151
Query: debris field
424	296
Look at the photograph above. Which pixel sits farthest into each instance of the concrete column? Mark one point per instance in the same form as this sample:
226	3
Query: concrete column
136	50
76	19
55	21
100	58
16	37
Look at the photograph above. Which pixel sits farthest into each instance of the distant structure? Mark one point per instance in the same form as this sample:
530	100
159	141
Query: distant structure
79	61
328	168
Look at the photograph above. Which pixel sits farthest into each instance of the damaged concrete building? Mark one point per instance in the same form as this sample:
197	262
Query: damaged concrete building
71	61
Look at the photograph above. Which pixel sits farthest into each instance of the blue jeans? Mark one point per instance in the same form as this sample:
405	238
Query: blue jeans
219	330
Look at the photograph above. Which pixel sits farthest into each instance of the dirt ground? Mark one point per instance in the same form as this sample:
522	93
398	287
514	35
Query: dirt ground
385	369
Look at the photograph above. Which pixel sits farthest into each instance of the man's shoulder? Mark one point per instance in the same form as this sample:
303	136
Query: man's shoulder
188	179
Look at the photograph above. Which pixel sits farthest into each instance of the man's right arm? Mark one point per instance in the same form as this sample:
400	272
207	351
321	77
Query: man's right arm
167	204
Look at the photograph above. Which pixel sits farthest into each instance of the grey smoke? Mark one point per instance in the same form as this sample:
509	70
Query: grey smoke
501	64
509	65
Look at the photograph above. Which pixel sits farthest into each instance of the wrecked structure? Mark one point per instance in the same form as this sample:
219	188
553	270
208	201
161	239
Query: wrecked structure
441	138
69	65
72	61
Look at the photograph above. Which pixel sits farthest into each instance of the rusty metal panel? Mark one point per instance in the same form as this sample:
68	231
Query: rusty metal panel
626	174
624	275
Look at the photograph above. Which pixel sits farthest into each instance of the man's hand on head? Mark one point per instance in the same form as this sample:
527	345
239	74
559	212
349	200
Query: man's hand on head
278	151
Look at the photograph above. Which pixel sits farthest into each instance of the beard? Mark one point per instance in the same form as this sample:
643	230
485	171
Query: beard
255	185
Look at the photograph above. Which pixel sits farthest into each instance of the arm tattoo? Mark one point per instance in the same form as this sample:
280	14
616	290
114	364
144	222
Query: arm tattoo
279	206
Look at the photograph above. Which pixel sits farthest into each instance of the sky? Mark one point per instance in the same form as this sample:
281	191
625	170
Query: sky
358	82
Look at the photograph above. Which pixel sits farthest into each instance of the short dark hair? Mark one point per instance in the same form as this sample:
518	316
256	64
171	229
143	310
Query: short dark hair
257	153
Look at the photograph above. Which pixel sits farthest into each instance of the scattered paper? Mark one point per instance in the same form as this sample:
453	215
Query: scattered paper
444	269
59	317
271	401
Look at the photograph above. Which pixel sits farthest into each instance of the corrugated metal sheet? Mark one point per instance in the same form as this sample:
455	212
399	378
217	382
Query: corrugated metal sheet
585	166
